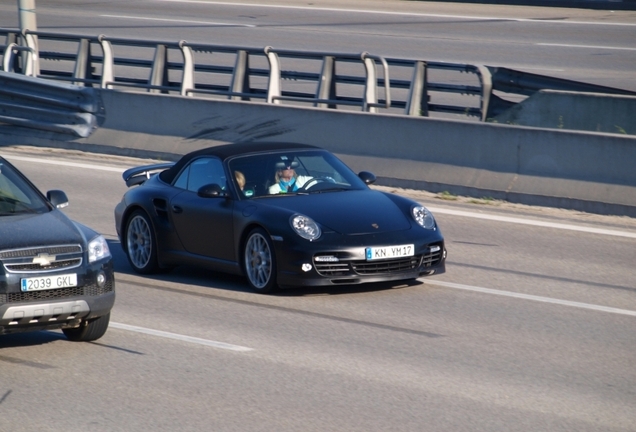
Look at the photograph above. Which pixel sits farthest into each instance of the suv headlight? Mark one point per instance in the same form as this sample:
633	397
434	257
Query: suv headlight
305	227
98	249
423	217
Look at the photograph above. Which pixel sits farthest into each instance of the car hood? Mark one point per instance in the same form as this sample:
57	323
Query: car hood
27	230
349	212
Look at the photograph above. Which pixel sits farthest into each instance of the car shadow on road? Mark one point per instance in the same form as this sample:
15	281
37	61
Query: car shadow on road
30	338
210	279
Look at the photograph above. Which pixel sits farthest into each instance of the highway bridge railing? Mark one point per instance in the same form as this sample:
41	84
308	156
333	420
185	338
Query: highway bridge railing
330	80
322	79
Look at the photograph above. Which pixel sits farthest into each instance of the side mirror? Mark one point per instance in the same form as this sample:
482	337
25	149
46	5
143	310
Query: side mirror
212	190
367	177
57	198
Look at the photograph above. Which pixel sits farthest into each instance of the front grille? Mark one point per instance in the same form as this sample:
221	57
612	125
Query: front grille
42	259
432	258
57	265
33	252
332	269
386	266
59	293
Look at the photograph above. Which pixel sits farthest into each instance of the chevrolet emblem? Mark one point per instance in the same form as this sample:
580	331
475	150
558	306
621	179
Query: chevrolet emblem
44	259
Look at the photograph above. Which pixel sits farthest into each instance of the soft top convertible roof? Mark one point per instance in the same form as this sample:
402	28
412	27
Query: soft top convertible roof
226	151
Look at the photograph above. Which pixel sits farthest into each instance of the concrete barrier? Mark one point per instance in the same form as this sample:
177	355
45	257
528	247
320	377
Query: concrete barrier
576	111
591	172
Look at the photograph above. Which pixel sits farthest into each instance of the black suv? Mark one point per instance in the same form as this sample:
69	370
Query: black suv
54	273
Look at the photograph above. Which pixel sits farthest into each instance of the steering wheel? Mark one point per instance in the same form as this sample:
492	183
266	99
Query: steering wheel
314	181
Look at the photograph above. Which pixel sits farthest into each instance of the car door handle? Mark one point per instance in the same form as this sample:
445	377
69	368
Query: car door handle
177	209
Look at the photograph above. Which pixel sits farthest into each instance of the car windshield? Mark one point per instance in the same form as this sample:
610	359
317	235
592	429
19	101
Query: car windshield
292	172
17	195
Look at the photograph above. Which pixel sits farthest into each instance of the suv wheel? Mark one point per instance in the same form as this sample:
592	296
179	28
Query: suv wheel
88	330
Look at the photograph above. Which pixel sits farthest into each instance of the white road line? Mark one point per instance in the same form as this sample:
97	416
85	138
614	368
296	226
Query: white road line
533	222
176	20
533	298
377	12
63	163
179	337
587	46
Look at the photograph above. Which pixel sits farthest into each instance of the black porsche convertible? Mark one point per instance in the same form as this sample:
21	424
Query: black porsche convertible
283	215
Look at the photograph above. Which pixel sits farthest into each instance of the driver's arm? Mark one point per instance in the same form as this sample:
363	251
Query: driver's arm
301	180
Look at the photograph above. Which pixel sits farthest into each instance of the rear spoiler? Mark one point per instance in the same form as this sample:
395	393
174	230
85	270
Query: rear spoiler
138	175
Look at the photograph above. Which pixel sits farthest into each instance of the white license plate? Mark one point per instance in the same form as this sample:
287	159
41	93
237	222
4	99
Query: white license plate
376	253
48	282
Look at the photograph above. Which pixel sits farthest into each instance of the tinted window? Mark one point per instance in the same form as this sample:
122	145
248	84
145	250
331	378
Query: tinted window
201	172
17	195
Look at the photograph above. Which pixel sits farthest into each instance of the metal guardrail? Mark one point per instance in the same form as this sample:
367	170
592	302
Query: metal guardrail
48	105
322	79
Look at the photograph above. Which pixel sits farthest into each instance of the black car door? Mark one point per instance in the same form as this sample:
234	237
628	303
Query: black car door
204	224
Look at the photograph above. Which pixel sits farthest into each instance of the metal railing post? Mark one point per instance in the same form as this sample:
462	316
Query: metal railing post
417	102
159	71
32	67
187	80
273	84
240	77
485	77
82	68
370	102
371	85
108	65
11	38
327	84
10	57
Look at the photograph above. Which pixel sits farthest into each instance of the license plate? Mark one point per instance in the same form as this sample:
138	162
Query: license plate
48	282
375	253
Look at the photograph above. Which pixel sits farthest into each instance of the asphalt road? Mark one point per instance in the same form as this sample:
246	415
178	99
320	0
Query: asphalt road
585	45
531	328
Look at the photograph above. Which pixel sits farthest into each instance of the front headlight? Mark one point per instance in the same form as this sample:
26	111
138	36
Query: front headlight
423	217
98	249
305	227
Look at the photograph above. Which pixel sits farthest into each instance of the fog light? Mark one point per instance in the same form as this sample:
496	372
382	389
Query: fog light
306	267
101	279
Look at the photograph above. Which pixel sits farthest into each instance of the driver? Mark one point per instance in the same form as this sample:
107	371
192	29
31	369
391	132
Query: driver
286	179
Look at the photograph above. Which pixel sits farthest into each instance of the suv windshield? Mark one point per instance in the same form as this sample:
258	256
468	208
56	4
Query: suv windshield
17	195
292	172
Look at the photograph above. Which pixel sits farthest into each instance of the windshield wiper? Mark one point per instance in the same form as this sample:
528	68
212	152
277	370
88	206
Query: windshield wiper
17	204
335	189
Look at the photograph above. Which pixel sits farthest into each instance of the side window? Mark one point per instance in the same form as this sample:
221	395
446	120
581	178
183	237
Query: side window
201	172
182	180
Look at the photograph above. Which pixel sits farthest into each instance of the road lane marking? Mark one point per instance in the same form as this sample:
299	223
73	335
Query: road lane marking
417	14
182	338
176	20
484	216
532	297
587	46
543	224
64	163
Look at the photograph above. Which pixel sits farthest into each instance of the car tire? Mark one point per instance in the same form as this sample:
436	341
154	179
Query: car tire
88	330
141	243
259	261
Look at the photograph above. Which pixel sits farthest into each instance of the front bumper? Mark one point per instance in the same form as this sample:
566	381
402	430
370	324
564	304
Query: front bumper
56	308
338	260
